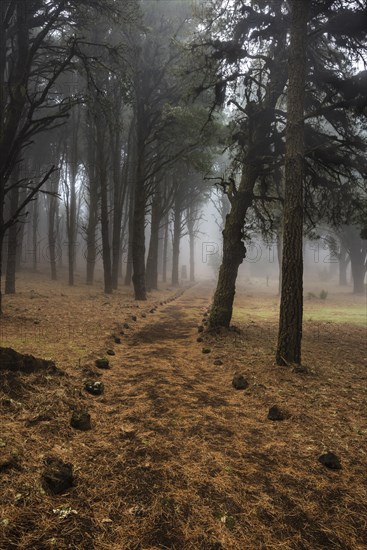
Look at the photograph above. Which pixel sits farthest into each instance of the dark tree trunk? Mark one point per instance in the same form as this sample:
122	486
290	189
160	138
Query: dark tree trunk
358	265
343	266
165	251
138	240
129	258
177	229
93	199
291	305
152	260
53	208
102	177
35	220
1	261
280	254
234	250
190	228
12	241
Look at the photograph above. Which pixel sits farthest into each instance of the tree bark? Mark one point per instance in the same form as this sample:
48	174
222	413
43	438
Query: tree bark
12	240
234	250
343	266
152	260
177	229
165	251
190	229
291	305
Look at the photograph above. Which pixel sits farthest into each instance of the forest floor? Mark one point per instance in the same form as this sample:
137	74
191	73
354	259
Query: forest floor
177	457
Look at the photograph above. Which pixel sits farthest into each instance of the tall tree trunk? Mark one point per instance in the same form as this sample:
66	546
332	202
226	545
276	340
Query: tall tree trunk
12	239
165	250
102	177
1	260
279	255
177	229
138	225
343	266
358	265
190	228
129	258
138	240
291	305
35	220
93	199
234	250
53	207
152	260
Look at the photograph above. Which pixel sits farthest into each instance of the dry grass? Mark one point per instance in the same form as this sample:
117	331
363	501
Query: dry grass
177	458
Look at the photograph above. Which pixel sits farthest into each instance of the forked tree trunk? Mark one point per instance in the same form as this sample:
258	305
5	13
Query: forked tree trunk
291	305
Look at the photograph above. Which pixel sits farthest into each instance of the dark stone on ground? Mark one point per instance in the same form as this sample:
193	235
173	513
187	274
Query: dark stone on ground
126	325
275	413
144	315
200	339
218	362
102	363
206	350
152	310
57	476
95	388
117	340
80	420
330	460
133	318
14	361
239	382
110	352
9	460
200	328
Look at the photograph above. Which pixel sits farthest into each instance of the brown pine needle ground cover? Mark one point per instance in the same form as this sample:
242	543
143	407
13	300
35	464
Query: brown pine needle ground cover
177	458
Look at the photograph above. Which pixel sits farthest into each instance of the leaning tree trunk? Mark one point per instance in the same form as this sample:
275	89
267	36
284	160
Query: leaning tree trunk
291	305
234	250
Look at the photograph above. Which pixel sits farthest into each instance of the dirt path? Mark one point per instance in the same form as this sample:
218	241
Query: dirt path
179	459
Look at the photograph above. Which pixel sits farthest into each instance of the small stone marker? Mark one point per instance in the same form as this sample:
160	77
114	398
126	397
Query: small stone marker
95	388
102	363
80	420
110	352
57	476
239	382
206	350
275	413
330	460
218	362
